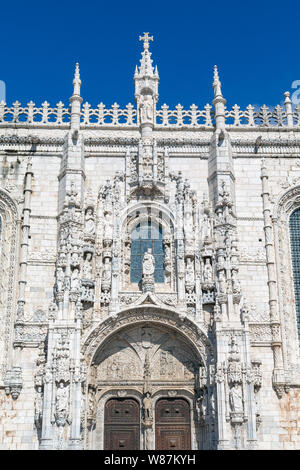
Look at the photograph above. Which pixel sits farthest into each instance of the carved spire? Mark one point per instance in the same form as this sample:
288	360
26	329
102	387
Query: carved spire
146	68
76	100
219	101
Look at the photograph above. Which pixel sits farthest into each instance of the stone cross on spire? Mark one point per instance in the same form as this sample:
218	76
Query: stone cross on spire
146	38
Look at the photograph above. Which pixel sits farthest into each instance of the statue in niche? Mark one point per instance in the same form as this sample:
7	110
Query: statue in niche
89	221
87	266
202	406
118	186
61	404
148	263
189	274
60	276
106	273
167	252
235	399
222	282
75	281
61	398
206	227
146	110
147	404
207	272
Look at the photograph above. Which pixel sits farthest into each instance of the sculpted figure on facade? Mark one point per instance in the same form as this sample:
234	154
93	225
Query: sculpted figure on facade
146	110
108	226
106	275
236	399
62	404
38	407
87	266
148	263
207	271
75	280
89	222
60	276
147	404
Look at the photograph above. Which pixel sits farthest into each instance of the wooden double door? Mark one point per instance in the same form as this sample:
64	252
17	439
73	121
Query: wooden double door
122	424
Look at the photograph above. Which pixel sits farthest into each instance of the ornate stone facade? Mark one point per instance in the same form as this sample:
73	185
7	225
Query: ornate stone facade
145	256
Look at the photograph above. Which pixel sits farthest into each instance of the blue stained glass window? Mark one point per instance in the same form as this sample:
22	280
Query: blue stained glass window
147	235
295	248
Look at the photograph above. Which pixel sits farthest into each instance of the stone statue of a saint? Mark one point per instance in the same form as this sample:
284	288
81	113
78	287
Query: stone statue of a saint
147	403
75	282
206	227
89	221
60	279
235	399
148	263
61	398
189	274
146	110
207	274
87	266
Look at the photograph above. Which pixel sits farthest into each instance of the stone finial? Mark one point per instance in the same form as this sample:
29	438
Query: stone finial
217	84
75	101
76	80
219	101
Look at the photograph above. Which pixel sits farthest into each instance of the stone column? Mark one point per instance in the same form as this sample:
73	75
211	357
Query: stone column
278	372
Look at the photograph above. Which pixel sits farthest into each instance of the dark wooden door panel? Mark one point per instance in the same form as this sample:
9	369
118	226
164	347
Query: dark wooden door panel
174	439
122	424
121	439
172	424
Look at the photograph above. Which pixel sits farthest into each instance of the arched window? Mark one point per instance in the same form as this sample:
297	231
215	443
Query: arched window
295	248
147	235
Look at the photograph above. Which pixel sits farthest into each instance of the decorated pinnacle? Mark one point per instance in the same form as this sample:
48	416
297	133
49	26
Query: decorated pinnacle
146	68
217	83
76	80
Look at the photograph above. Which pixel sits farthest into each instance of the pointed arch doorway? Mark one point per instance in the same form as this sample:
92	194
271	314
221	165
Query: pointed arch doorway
122	424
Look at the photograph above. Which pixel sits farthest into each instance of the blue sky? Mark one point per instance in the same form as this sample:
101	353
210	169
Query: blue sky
255	45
